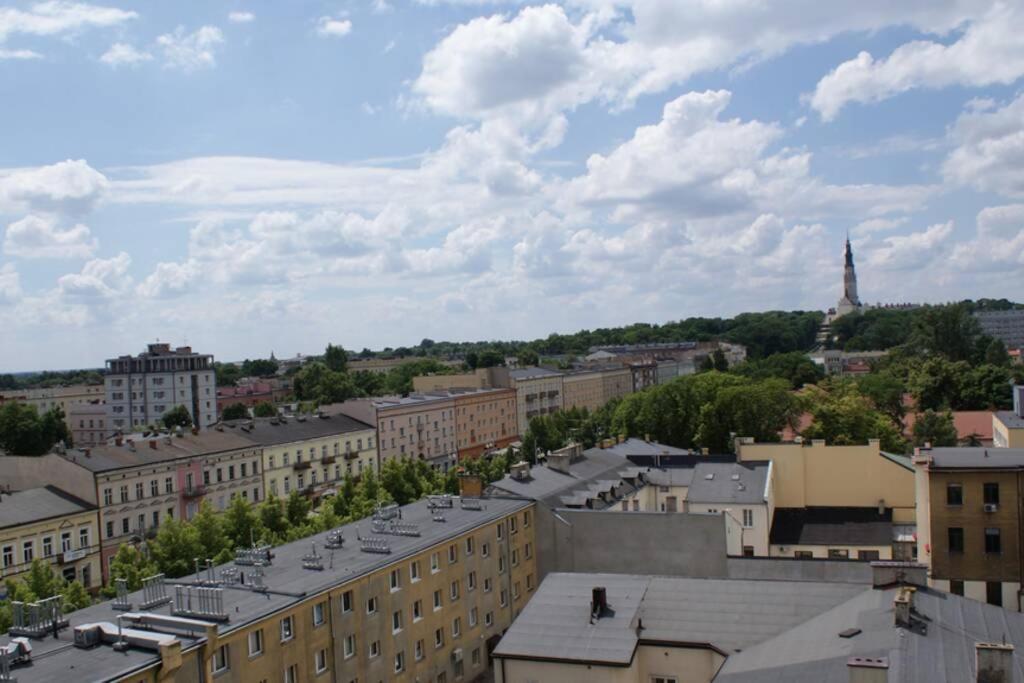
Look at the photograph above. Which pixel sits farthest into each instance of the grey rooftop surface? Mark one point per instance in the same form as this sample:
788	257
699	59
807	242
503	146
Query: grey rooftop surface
831	526
166	448
274	431
550	486
36	505
1011	419
720	482
58	661
813	652
973	458
640	447
532	373
721	614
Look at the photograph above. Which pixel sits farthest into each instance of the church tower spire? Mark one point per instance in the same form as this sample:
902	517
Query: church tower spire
850	277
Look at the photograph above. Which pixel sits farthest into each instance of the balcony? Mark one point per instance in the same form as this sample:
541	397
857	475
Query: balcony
194	491
328	459
530	398
302	465
351	455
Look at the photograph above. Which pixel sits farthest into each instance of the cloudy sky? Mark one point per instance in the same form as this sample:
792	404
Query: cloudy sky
250	177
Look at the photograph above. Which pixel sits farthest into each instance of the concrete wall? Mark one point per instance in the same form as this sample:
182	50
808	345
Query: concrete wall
782	569
25	472
692	665
821	551
630	542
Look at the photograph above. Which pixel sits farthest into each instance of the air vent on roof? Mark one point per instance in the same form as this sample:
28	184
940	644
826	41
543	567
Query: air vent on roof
314	560
709	476
37	619
735	477
849	633
472	504
335	539
375	545
199	602
394	528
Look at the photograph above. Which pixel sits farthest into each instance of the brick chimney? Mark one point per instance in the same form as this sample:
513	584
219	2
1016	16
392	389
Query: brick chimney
471	486
868	669
993	662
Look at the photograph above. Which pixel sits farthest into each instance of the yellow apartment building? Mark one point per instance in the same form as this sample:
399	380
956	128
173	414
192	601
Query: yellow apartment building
583	390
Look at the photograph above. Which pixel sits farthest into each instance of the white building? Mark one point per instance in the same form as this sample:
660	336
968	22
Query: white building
140	389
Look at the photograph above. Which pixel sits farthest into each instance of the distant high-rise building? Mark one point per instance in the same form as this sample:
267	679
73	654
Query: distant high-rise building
850	301
140	389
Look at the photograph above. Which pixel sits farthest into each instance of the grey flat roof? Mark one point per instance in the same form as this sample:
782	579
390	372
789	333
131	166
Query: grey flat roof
813	652
111	457
551	486
1011	419
265	433
35	505
747	486
831	526
531	373
973	458
57	661
724	614
673	476
637	447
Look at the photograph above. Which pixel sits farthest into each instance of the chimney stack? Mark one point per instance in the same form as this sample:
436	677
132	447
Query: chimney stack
152	444
902	606
471	486
993	662
598	602
868	669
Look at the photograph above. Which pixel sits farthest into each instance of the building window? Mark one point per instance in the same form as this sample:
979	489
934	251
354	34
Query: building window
417	610
169	485
434	563
487	584
27	551
454	594
993	541
469	545
418	650
994	593
489	619
456	627
375	649
108	497
748	518
221	659
256	642
838	553
990	491
956	586
321	661
414	571
664	679
956	539
803	554
471	581
371	605
291	674
350	646
346	602
954	494
396	621
287	629
748	551
485	549
154	488
439	637
396	579
473	617
399	662
453	554
8	556
47	546
870	555
318	614
437	600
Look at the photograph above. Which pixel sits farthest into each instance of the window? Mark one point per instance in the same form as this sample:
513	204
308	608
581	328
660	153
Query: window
485	549
396	621
515	590
456	627
954	494
437	600
994	593
350	646
321	661
418	650
473	617
221	659
414	571
528	550
955	536
748	551
287	629
396	579
529	582
990	492
154	487
399	662
124	494
501	564
439	638
471	581
871	555
526	519
487	584
515	557
318	614
110	529
512	525
417	610
291	674
371	605
346	602
8	556
803	554
169	485
489	619
838	553
435	563
255	642
375	649
83	537
108	497
453	554
27	551
125	526
748	518
139	490
454	593
501	530
469	545
956	586
476	656
503	601
664	679
47	546
993	541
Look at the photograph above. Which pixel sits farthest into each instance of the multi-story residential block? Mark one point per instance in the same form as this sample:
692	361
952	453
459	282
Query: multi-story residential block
140	389
1008	425
1007	326
51	525
583	389
87	423
743	491
616	382
247	394
667	371
477	379
311	454
643	374
403	597
538	392
48	398
418	426
969	529
837	501
485	420
384	365
137	484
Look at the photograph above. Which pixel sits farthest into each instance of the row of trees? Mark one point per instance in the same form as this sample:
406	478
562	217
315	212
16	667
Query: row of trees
228	374
47	379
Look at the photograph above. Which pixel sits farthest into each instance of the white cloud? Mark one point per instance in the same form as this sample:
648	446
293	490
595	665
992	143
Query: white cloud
989	148
997	247
191	51
914	250
241	17
381	6
123	54
36	237
19	54
10	283
990	51
56	17
66	187
873	225
333	27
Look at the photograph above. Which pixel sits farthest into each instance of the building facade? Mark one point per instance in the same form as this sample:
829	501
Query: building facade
1008	425
87	423
616	383
583	389
420	426
1006	326
538	392
485	420
51	525
140	389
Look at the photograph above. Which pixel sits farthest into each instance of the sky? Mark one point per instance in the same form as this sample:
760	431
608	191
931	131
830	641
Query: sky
257	177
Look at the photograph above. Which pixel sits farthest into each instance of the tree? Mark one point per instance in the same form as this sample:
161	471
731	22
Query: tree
297	508
272	518
528	358
235	411
210	531
996	354
490	358
794	367
719	361
759	410
399	379
178	416
24	432
74	597
843	416
241	524
129	564
176	547
335	358
886	393
264	409
949	331
935	428
226	374
261	367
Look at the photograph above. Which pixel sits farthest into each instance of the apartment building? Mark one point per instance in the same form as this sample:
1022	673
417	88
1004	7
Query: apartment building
616	382
384	365
87	423
969	530
140	389
45	399
1007	326
485	420
311	454
476	379
743	491
1008	425
538	392
643	374
247	394
419	593
137	484
51	525
854	502
583	389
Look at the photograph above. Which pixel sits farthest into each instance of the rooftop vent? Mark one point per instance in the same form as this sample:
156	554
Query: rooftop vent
256	556
520	471
390	511
709	476
314	561
335	539
395	528
375	545
441	501
735	477
36	619
868	669
472	504
994	662
599	603
199	602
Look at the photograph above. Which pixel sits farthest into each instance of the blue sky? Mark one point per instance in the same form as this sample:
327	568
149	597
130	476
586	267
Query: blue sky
250	177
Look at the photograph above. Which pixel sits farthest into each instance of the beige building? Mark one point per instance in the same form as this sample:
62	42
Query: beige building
418	426
383	365
311	454
477	379
485	420
538	392
430	609
1008	425
55	397
87	423
616	382
51	525
583	389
